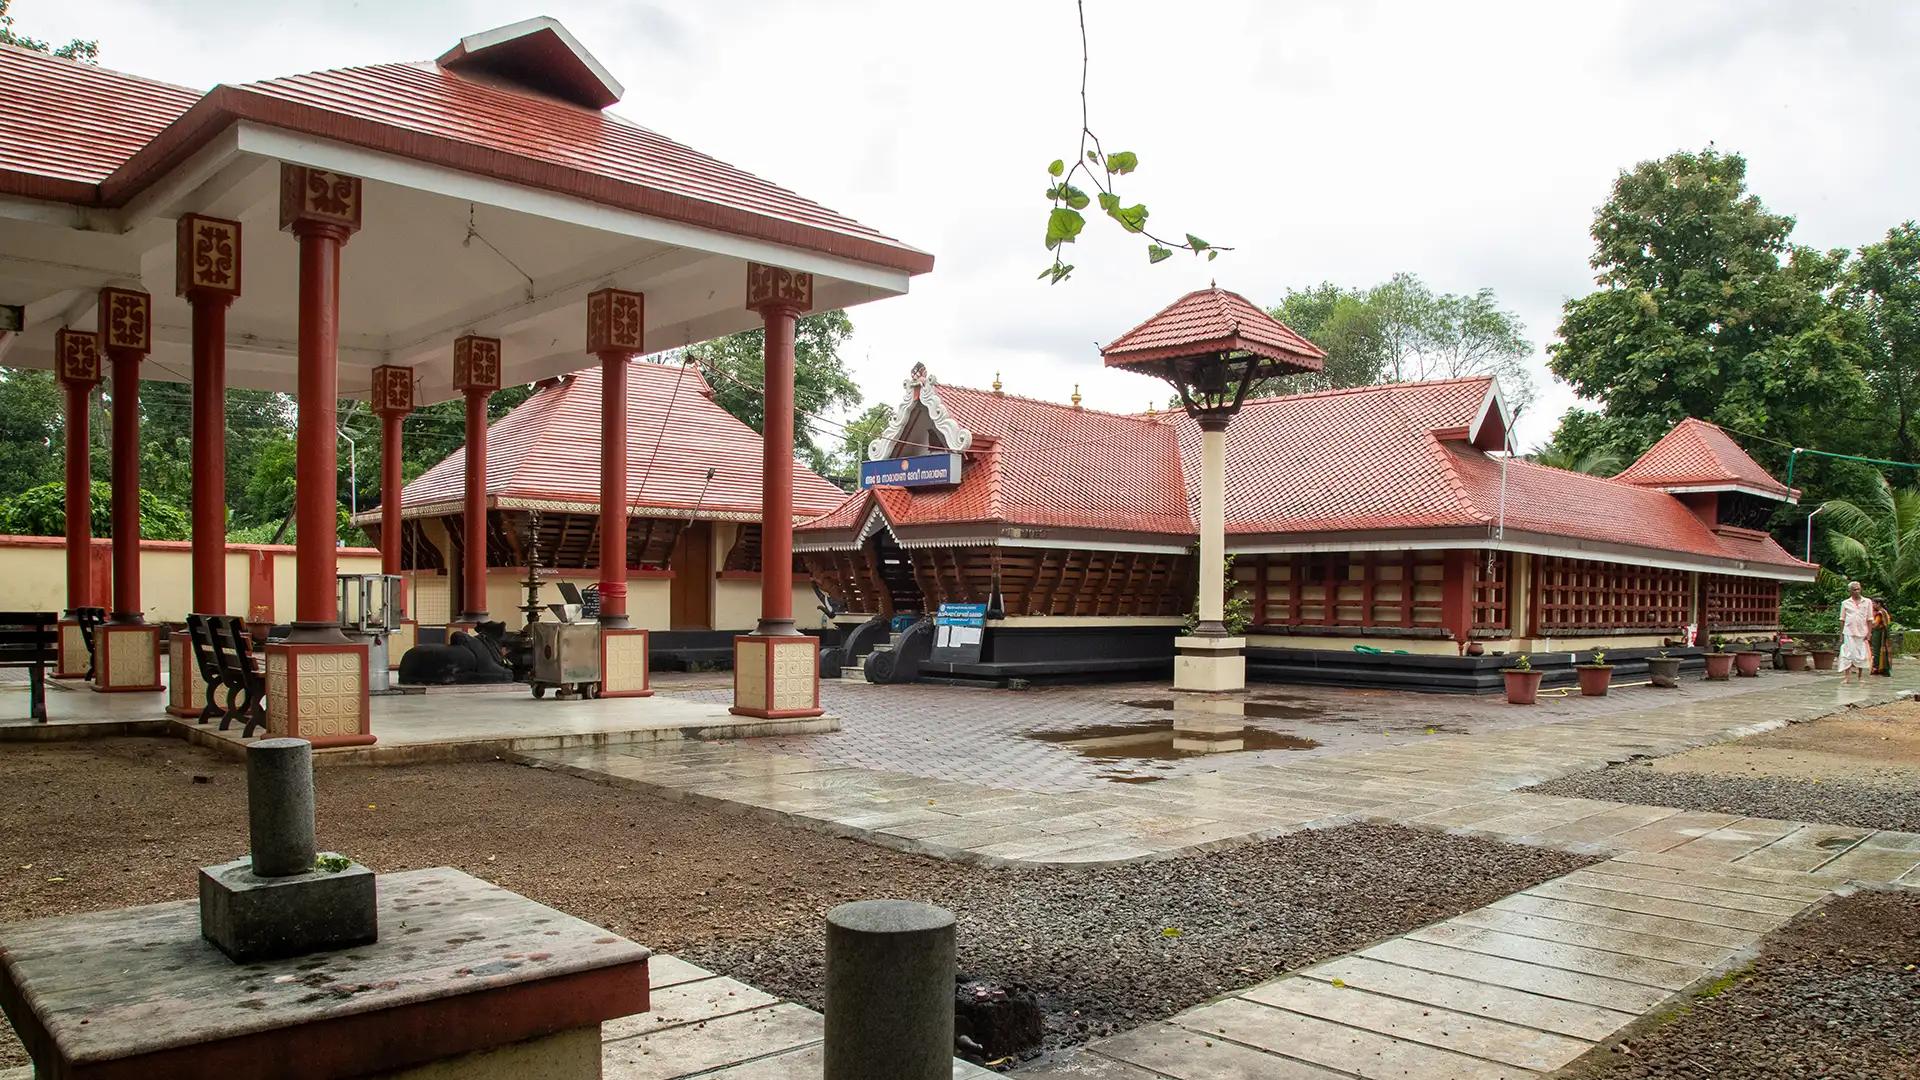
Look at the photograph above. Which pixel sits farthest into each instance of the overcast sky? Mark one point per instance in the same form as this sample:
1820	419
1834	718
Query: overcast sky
1330	140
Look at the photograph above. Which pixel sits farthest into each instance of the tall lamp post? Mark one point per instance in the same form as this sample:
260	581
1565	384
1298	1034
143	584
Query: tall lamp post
1213	346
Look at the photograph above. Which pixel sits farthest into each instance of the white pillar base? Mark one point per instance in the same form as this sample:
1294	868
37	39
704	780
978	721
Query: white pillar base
1209	664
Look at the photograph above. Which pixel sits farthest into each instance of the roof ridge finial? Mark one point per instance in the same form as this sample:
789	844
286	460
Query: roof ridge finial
1076	395
996	383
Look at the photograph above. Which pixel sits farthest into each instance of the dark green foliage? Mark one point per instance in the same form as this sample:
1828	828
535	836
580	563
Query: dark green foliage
42	511
736	368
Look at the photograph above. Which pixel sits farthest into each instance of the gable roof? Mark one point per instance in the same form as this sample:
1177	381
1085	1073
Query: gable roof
1209	321
546	454
510	109
1388	464
1699	456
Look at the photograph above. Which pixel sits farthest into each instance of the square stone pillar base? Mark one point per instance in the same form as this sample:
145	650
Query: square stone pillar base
1207	664
405	636
70	651
624	670
186	689
128	657
776	678
318	692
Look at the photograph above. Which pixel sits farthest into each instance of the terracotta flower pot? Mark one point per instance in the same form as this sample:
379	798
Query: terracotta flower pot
1798	661
1823	659
1664	670
1719	666
1594	679
1747	664
1523	687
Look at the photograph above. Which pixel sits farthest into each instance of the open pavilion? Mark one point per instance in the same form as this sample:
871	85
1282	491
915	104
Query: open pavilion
406	233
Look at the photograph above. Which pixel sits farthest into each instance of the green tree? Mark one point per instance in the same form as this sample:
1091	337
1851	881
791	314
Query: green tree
859	434
736	368
32	427
1346	326
1705	309
1596	462
1877	543
83	51
1883	289
42	511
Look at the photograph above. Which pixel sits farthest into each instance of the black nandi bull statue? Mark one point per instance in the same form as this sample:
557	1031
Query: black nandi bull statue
465	658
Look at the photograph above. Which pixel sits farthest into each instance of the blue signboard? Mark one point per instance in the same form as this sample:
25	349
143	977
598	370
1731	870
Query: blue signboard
958	630
926	470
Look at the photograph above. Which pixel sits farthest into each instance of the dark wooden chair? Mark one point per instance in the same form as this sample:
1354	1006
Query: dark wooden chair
89	618
200	637
30	639
244	684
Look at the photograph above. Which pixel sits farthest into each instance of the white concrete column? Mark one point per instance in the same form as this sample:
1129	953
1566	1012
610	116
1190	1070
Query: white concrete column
1213	526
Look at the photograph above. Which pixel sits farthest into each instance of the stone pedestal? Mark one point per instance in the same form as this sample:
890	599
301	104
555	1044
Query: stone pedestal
318	692
624	670
1207	664
484	983
252	918
127	657
70	651
186	689
889	991
776	678
405	636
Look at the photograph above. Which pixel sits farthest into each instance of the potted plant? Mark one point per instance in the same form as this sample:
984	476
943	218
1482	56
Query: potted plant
1719	661
1595	675
1523	683
1823	659
1663	669
1795	658
1746	662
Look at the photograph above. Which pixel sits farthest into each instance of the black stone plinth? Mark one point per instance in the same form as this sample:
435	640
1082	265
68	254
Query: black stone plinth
252	918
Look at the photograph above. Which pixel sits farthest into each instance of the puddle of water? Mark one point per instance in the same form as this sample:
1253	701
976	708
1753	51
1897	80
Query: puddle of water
1837	843
1169	740
1259	708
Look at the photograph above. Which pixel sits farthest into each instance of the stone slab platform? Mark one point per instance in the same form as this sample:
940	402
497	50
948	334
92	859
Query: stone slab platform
461	966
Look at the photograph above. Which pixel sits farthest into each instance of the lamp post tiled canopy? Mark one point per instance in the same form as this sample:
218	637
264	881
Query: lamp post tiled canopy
488	194
1213	346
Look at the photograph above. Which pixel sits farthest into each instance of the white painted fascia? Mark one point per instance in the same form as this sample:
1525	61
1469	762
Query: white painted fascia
487	39
468	187
1743	489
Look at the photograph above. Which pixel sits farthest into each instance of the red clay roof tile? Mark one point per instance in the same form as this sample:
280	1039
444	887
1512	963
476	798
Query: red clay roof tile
1699	454
1209	321
67	125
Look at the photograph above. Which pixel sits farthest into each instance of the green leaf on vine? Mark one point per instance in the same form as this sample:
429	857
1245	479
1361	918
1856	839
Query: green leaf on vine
1198	245
1122	162
1074	196
1058	272
1155	253
1063	225
1131	218
1093	157
1109	202
1057	167
1212	255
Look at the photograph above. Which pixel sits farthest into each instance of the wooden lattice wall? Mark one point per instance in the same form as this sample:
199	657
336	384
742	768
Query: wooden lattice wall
1385	588
566	541
1033	581
1740	603
1579	594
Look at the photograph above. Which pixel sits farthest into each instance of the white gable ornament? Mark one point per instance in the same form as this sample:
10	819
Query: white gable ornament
922	391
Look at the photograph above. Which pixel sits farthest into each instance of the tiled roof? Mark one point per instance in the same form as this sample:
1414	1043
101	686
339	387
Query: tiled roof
66	125
548	450
95	136
1386	460
1699	454
1209	321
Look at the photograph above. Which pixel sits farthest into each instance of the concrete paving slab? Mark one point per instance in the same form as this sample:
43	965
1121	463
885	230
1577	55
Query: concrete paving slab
1665	974
1673	831
1631	942
1874	864
1561	889
1589	1022
1549	981
1677	890
1706	878
693	1048
1159	1051
689	1003
1730	842
1602	826
1711	934
664	971
1477	1036
1337	1046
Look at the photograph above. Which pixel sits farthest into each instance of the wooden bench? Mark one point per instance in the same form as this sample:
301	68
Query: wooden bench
240	677
207	662
30	639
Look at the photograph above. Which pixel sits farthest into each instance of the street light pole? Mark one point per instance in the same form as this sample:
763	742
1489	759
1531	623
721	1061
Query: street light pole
1810	517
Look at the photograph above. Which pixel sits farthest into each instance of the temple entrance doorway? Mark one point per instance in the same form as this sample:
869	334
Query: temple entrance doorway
691	591
896	574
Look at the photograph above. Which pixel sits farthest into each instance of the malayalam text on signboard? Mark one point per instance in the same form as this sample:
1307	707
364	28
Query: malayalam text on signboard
926	470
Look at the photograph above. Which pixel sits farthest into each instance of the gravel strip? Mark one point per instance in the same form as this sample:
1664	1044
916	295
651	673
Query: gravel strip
1835	993
1111	948
1833	802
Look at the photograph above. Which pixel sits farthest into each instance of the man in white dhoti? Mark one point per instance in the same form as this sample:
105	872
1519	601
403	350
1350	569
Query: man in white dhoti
1856	625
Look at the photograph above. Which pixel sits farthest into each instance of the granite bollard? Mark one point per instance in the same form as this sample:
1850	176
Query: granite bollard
282	899
890	970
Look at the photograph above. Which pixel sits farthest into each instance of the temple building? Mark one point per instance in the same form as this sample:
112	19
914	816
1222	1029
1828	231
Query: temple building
1379	535
693	513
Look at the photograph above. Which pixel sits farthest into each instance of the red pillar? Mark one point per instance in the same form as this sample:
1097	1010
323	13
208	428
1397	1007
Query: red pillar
1456	595
616	320
78	357
207	273
476	373
126	336
393	400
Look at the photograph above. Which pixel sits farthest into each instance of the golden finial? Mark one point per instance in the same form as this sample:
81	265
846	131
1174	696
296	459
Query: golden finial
1151	411
1076	395
996	382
